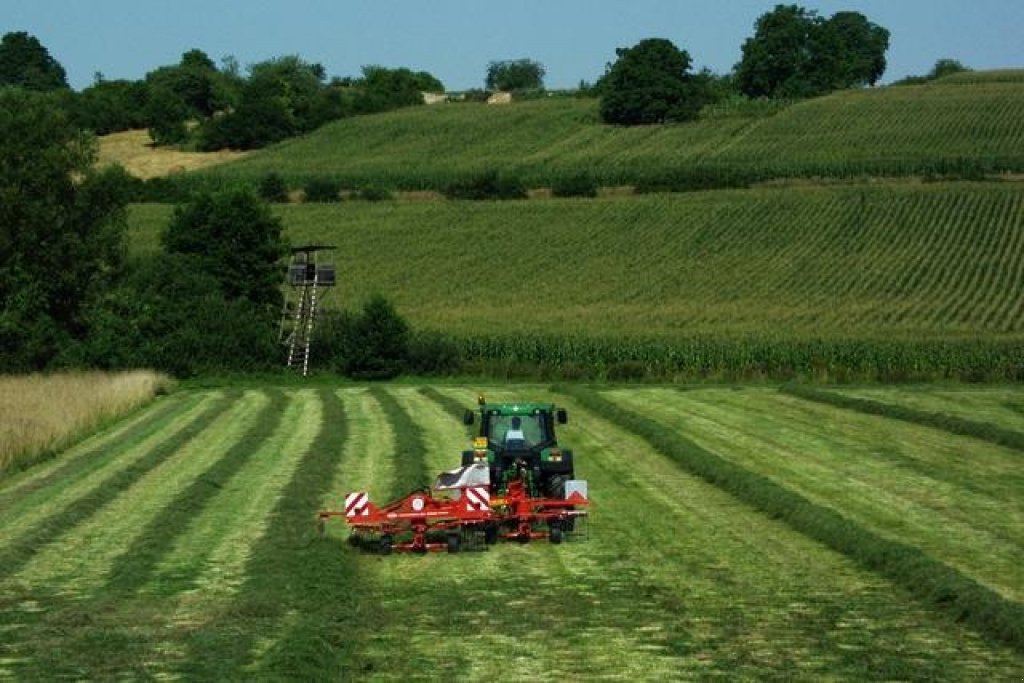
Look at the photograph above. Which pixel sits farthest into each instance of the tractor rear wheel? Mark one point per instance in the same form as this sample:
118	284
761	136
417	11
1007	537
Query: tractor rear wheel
555	533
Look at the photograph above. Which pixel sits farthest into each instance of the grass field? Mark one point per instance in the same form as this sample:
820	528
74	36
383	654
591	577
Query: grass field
961	125
42	414
181	542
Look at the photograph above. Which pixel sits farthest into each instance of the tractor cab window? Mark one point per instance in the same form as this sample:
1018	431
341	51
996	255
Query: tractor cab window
518	431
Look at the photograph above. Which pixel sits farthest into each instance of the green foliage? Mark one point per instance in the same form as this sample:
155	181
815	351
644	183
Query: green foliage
195	83
386	89
173	314
490	184
432	353
581	185
322	190
946	67
277	101
110	106
273	188
650	83
62	240
372	193
942	131
796	53
515	75
25	63
166	114
372	344
235	238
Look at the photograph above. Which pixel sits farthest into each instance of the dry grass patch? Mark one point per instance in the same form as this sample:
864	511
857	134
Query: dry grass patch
42	414
134	150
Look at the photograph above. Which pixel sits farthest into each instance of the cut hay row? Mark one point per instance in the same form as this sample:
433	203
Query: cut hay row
985	431
934	582
42	414
1000	406
212	568
897	481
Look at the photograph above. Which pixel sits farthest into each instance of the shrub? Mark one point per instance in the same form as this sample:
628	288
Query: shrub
370	345
487	185
323	190
272	188
578	185
433	353
372	193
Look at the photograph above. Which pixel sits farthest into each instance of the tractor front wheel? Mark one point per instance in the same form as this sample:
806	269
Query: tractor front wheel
385	544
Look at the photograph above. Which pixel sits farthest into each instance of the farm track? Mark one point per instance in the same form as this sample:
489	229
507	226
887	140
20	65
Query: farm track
194	554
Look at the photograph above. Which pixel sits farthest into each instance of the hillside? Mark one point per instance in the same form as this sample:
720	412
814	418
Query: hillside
934	261
964	125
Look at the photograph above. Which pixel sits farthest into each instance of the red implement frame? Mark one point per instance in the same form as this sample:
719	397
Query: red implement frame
421	517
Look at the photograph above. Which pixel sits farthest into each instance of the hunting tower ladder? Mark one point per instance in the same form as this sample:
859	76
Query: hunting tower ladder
308	279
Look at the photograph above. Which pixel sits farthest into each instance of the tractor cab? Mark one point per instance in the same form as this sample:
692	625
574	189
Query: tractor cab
517	441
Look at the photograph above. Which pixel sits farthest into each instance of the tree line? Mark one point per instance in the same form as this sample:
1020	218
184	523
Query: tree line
793	53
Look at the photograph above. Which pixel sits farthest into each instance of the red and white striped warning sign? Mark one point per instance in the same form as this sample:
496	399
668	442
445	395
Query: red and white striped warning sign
478	499
357	504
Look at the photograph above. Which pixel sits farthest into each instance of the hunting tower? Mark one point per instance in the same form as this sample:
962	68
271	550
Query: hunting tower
309	277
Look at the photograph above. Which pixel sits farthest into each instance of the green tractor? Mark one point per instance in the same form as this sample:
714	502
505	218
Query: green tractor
517	441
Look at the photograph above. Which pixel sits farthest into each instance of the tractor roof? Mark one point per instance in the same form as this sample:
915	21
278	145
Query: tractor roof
517	408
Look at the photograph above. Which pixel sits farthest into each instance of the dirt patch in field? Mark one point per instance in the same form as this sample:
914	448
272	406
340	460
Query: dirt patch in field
134	150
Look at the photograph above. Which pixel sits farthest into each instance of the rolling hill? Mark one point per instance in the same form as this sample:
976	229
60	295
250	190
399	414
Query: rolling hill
956	126
835	264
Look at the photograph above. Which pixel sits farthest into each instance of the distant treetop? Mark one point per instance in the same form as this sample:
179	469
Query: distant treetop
24	62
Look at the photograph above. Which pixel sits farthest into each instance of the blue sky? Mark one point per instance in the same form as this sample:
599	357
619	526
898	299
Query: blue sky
455	39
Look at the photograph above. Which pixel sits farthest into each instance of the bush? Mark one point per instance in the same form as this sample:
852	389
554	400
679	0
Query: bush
323	190
487	185
579	185
370	345
432	353
371	193
272	188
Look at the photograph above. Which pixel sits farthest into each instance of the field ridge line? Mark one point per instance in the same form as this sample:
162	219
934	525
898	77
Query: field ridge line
410	471
934	582
984	431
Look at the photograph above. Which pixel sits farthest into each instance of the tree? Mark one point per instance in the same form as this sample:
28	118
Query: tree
775	60
281	98
372	344
24	62
650	83
111	106
796	53
945	67
515	74
386	89
862	45
234	237
61	230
